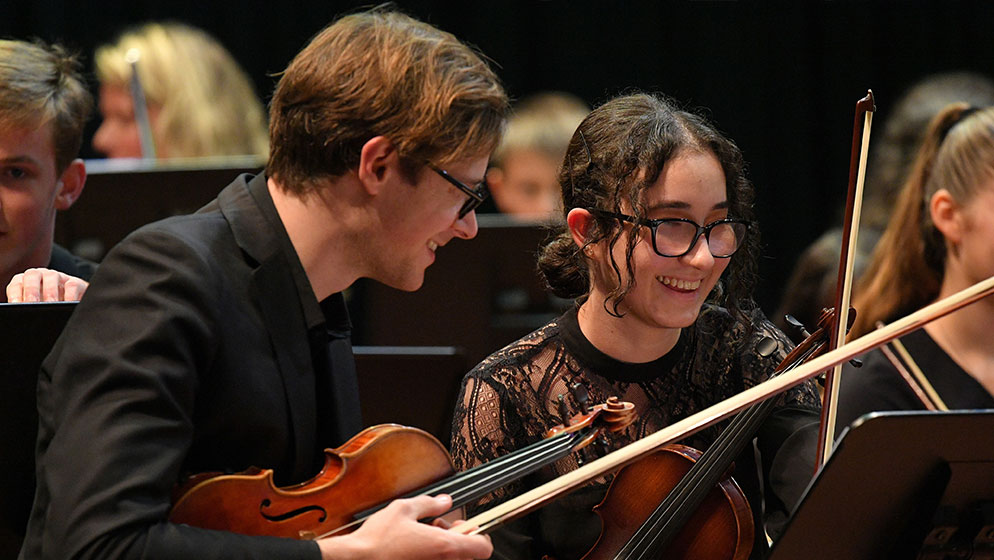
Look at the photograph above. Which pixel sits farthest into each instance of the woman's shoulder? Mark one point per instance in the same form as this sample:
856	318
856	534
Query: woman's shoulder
748	349
520	354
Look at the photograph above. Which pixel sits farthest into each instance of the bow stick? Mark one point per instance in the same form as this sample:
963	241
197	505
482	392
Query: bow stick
843	291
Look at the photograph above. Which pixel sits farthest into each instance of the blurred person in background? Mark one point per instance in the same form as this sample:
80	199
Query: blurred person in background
524	177
938	242
200	102
812	284
44	105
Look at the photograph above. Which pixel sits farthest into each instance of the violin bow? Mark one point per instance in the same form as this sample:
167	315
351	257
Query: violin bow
854	202
535	498
912	374
908	377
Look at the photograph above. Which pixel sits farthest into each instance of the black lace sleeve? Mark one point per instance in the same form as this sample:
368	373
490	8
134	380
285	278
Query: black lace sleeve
498	410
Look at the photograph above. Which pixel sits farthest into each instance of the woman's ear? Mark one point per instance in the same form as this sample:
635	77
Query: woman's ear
579	222
947	215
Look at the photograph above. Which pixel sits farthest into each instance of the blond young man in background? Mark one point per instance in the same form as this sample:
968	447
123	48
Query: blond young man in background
44	105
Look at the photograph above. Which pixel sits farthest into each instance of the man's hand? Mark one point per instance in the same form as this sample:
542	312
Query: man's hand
42	284
394	532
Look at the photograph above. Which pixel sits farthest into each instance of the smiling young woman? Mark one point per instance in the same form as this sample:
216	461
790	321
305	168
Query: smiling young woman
658	251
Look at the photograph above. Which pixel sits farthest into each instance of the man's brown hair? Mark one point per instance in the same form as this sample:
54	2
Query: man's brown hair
41	84
381	73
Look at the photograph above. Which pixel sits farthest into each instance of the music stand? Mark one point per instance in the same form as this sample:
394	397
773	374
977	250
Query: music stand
27	333
878	494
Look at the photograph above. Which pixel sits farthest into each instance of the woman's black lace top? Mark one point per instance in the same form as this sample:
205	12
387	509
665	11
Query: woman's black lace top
511	398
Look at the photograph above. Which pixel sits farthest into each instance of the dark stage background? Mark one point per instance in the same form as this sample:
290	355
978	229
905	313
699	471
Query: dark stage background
779	78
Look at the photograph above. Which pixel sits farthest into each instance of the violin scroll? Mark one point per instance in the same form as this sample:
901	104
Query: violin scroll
612	415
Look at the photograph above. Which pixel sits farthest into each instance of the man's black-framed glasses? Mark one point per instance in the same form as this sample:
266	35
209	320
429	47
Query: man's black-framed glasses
476	194
675	237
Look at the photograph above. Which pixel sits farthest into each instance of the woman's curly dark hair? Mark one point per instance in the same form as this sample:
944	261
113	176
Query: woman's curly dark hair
614	156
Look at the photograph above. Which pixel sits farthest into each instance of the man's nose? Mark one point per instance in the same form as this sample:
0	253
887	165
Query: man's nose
467	227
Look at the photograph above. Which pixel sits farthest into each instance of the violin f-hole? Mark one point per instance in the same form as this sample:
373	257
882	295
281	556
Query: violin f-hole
290	514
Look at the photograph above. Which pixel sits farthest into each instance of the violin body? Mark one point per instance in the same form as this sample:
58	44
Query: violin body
721	528
377	465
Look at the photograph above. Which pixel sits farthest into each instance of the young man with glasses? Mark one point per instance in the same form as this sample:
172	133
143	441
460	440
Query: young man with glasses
219	341
658	251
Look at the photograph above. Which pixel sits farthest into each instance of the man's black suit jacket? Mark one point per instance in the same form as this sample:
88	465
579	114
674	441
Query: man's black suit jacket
188	353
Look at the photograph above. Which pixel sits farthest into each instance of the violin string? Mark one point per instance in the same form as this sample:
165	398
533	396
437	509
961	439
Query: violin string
340	529
536	456
482	479
474	489
497	464
714	470
713	466
652	536
671	515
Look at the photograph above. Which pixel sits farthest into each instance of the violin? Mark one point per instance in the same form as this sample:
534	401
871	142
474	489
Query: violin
701	511
721	525
377	465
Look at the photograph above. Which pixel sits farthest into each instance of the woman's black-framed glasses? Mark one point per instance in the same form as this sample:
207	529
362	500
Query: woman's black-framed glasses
476	194
675	237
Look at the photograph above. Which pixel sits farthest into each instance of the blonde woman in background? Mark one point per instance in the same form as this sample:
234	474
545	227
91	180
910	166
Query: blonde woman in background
200	102
940	240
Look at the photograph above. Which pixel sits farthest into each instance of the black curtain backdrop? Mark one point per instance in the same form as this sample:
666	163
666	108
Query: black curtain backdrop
780	78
